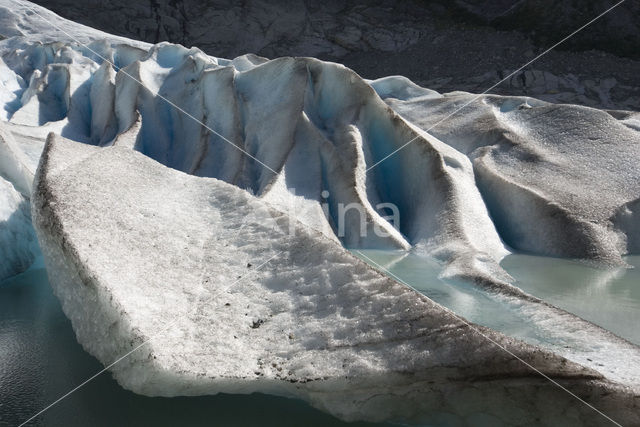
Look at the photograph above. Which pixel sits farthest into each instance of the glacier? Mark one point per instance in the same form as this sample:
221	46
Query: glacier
319	125
145	257
314	127
168	176
570	170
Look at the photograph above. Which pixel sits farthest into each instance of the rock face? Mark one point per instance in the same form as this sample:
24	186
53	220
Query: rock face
225	28
445	45
149	258
337	27
549	21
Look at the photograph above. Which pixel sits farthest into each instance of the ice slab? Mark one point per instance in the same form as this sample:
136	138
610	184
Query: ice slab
141	253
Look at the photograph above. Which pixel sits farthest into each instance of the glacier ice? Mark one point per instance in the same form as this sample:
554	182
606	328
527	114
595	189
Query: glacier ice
18	245
141	253
467	197
37	24
558	180
15	165
131	244
308	126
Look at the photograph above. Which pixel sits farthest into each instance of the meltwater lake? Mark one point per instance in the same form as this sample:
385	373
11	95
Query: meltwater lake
41	360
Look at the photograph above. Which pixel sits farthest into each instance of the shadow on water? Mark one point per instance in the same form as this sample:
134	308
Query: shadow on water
40	361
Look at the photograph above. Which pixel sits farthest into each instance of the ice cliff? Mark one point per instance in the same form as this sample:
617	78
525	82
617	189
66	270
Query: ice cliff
311	130
314	137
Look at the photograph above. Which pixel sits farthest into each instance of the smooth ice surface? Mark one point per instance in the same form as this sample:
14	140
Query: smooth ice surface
41	361
18	245
316	323
18	160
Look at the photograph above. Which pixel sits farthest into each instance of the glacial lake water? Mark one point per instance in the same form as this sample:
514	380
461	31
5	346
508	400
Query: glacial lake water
40	359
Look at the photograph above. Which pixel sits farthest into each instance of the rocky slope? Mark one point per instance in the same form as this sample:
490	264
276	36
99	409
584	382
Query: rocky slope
443	45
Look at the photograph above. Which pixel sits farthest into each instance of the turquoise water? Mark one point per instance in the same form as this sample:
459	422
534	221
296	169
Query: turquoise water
40	361
609	298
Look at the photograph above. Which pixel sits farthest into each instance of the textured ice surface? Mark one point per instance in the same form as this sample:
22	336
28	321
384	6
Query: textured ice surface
536	321
17	19
137	251
309	126
559	180
506	169
18	245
